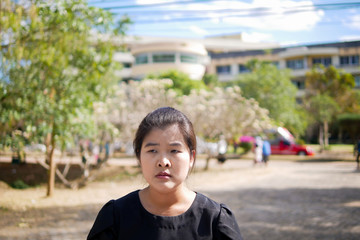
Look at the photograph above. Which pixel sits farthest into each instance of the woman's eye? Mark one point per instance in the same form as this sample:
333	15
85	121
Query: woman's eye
175	151
152	151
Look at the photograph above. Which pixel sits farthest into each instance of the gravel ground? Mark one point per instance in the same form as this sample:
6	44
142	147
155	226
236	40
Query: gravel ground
285	200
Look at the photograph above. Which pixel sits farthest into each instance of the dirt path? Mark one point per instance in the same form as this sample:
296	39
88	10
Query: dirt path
286	200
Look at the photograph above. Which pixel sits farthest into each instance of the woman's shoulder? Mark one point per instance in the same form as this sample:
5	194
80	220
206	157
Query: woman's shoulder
212	205
207	204
110	212
227	227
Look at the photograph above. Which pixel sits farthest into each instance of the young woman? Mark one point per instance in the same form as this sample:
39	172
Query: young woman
165	146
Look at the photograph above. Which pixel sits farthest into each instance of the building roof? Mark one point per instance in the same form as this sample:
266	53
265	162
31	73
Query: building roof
245	53
214	44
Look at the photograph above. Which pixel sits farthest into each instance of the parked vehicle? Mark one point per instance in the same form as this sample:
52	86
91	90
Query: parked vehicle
283	143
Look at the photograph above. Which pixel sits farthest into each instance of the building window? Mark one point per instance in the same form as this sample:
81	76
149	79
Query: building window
326	61
141	59
295	64
243	68
357	81
164	58
225	69
126	65
276	64
299	84
188	58
349	60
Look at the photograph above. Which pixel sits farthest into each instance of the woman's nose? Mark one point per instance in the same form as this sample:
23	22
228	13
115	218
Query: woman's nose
164	162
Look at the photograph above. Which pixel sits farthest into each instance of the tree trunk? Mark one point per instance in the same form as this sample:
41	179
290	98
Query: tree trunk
321	138
340	135
50	147
326	134
207	163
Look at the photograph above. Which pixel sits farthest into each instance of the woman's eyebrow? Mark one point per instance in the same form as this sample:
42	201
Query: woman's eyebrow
151	144
174	144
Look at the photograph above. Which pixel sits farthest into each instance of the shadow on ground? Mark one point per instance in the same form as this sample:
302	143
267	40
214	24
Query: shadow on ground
261	213
295	213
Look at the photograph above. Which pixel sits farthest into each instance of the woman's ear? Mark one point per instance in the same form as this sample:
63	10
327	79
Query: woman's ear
192	158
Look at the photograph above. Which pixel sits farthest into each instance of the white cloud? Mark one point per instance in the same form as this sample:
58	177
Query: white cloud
289	43
353	22
263	15
256	37
279	15
198	30
145	2
350	38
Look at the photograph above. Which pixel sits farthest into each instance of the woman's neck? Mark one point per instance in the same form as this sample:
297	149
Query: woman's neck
167	204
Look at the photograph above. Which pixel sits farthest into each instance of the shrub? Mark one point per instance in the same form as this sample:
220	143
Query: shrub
19	184
246	146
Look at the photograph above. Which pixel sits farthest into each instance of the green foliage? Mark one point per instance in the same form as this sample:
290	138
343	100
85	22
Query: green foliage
56	61
330	92
332	86
300	142
53	67
328	80
246	146
273	89
334	83
323	108
19	184
182	83
210	80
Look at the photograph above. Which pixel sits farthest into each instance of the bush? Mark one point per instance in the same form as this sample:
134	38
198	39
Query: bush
300	142
246	146
19	184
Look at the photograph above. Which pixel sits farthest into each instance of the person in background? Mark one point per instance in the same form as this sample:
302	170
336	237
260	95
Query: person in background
165	146
235	145
258	146
222	149
266	151
357	154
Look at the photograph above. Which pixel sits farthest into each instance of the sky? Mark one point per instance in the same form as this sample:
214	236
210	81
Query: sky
286	22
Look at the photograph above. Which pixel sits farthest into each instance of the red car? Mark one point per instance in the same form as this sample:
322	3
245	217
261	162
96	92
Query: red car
284	144
285	147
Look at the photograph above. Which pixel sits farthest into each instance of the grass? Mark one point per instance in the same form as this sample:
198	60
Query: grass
4	209
19	184
118	173
335	147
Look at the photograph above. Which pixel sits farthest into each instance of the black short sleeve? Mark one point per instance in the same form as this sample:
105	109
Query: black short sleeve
227	225
126	218
103	225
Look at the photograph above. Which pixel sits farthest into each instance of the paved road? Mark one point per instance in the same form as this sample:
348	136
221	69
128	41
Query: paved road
286	200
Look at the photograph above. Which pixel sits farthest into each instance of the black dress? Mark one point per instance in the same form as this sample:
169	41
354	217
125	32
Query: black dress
126	218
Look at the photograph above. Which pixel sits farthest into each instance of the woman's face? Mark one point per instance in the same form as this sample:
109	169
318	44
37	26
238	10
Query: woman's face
165	159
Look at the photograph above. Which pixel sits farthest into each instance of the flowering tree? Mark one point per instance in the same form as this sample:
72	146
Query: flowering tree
132	101
224	111
221	111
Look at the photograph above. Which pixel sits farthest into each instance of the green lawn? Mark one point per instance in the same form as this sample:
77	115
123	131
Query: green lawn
335	147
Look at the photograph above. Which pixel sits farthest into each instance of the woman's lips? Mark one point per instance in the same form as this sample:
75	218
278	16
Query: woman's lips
163	175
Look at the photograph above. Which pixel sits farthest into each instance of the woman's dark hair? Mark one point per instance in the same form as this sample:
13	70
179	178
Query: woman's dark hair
162	118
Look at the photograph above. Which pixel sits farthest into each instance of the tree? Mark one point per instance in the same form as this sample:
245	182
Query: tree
210	80
322	109
181	81
53	68
273	89
132	101
213	112
329	92
224	112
